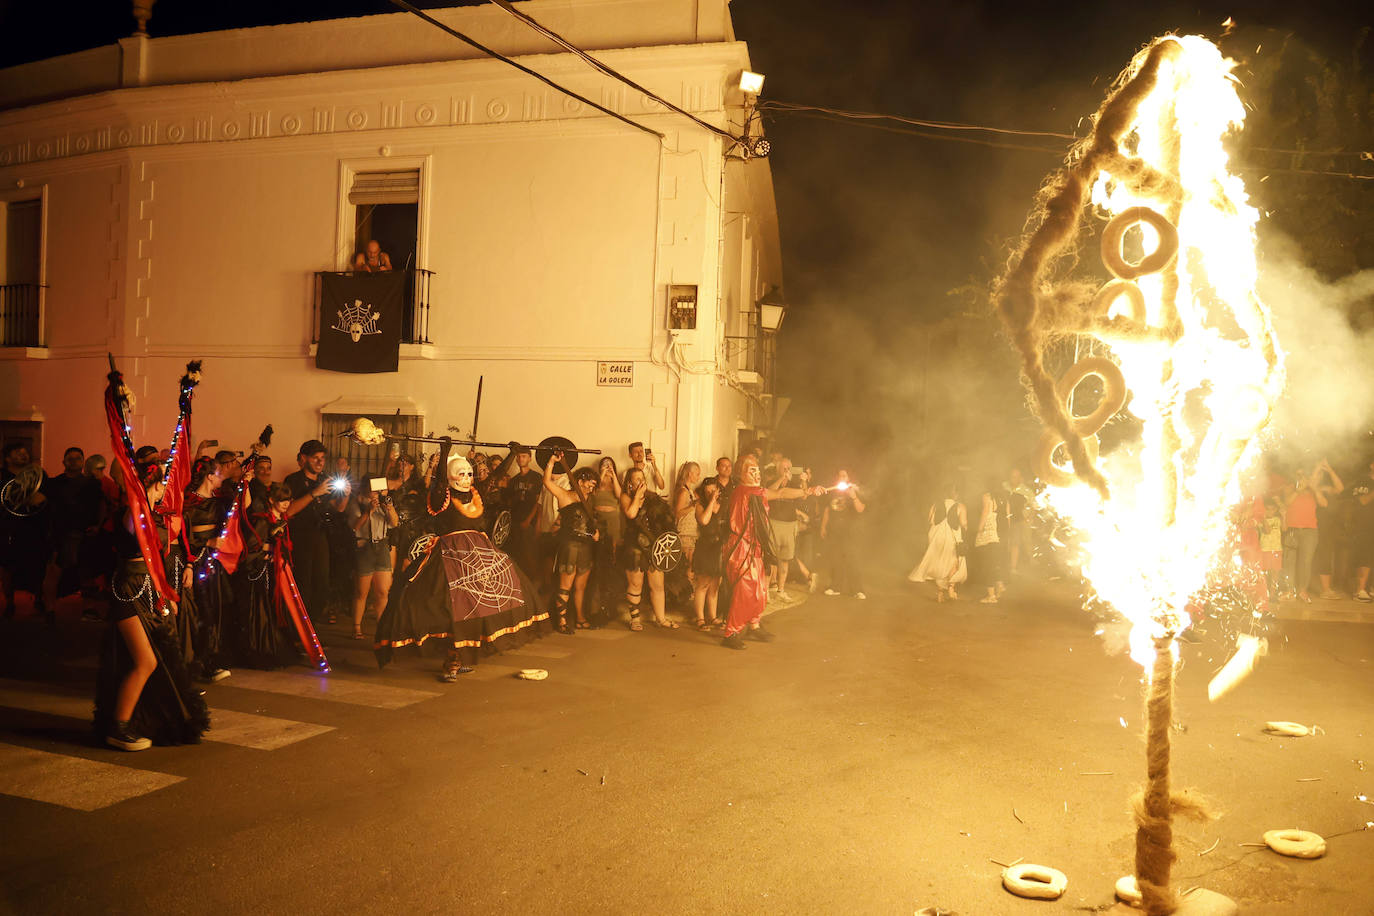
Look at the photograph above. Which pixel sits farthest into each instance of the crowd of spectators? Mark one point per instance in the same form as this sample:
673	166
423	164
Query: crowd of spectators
345	532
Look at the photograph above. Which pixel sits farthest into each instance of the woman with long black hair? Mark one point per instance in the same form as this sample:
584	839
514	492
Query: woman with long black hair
205	591
264	639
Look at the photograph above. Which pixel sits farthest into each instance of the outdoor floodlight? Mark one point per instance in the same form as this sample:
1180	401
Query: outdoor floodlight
750	83
762	147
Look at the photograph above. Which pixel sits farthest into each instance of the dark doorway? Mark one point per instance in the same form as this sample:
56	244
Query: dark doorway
396	228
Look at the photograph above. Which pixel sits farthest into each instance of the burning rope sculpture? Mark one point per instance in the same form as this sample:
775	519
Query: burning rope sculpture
1192	355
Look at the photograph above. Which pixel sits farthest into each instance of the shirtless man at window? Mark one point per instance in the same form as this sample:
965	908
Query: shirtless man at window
373	259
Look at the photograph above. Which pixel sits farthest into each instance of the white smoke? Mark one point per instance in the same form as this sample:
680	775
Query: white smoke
1329	342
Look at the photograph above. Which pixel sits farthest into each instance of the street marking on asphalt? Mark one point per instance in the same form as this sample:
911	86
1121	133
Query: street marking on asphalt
73	782
265	733
227	726
326	687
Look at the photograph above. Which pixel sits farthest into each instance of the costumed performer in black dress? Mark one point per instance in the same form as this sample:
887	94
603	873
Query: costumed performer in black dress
577	537
143	691
204	584
264	626
455	585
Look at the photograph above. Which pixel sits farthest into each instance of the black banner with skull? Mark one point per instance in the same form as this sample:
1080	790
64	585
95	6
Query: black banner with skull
360	321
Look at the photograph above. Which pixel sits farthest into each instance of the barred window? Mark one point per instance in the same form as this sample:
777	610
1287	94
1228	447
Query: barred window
369	460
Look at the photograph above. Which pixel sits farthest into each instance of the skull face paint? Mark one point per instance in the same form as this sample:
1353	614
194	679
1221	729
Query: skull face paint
459	474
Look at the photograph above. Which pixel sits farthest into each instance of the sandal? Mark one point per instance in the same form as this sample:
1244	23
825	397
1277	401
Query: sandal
702	624
635	623
666	624
583	625
331	617
358	633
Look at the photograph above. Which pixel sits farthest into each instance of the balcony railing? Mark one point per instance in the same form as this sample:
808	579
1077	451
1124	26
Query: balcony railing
19	315
414	318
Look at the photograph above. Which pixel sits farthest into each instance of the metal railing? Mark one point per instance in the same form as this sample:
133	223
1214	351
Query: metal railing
20	311
414	317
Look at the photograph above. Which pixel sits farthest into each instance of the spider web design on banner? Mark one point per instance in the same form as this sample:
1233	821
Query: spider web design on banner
479	573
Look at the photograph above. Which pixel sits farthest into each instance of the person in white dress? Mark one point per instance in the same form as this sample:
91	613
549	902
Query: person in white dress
944	562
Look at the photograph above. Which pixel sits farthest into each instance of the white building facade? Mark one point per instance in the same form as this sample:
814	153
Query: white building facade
168	199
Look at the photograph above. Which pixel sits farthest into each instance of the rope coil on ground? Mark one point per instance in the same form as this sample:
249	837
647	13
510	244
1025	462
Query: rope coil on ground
1036	882
1127	891
1297	844
1289	729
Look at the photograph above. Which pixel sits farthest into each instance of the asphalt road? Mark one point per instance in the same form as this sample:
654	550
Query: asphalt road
876	758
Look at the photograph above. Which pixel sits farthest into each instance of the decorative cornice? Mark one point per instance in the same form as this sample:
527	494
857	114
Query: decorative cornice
353	102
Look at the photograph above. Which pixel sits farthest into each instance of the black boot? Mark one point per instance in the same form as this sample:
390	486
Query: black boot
125	738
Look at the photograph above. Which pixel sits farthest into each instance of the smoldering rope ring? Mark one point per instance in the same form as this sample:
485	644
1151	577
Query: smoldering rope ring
1113	399
1287	729
1128	891
1299	844
1153	262
1037	882
1114	290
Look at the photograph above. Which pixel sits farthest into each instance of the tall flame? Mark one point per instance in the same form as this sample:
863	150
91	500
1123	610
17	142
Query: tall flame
1200	361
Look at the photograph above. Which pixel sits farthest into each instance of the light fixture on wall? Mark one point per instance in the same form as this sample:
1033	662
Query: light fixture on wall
751	145
772	310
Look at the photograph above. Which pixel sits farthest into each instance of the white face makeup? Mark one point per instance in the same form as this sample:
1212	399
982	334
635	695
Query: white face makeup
752	476
459	474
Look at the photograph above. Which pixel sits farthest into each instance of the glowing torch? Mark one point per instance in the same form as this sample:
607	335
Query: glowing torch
1180	340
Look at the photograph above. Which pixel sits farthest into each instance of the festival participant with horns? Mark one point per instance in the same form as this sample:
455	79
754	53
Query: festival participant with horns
746	551
455	585
143	691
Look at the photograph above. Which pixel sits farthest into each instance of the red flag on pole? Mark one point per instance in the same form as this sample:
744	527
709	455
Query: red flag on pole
116	398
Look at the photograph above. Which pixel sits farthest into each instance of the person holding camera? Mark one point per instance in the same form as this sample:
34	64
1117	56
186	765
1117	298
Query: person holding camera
371	518
647	516
312	495
642	459
709	510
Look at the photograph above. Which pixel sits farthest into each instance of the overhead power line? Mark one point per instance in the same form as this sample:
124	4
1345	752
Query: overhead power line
522	68
949	131
608	71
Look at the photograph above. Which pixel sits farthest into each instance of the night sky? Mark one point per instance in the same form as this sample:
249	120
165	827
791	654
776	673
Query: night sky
890	240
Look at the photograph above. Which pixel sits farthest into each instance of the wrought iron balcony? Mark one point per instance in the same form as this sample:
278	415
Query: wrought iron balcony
20	311
414	318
